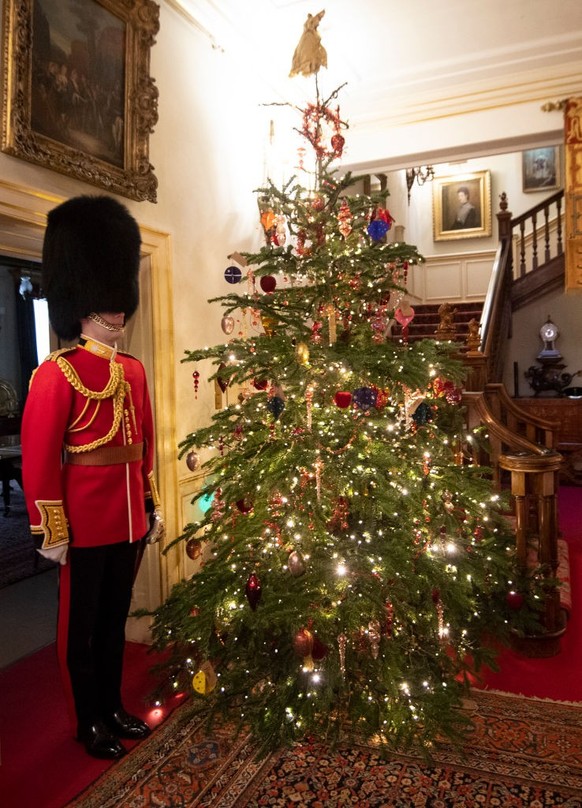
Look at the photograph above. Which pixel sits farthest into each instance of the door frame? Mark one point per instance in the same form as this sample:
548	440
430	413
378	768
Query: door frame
23	213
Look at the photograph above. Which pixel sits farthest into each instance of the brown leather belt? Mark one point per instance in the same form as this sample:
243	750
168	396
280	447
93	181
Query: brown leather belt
106	455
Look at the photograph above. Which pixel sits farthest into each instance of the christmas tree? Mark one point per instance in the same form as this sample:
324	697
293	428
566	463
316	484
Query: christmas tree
356	562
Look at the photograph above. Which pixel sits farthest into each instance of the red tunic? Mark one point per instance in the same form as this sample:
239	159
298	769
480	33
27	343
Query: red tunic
76	400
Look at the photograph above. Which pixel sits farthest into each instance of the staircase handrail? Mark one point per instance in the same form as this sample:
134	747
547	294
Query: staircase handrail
495	322
545	203
507	411
518	224
502	438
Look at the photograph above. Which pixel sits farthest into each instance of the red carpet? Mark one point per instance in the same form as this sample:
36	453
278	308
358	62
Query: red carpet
558	677
42	765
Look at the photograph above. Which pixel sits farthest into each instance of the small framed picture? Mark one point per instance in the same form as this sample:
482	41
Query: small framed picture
541	169
462	206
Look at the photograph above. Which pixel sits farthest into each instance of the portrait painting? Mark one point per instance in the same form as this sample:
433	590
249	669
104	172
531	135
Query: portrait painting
79	98
462	206
541	169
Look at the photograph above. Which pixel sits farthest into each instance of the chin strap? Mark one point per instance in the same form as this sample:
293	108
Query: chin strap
103	323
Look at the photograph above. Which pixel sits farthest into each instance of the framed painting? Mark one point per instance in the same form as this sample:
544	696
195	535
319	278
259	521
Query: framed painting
540	169
462	206
77	94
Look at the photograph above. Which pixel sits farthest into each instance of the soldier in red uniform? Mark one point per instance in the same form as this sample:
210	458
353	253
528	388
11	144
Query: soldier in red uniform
88	448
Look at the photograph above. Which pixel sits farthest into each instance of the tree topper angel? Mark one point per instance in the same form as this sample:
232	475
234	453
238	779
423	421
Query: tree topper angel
309	54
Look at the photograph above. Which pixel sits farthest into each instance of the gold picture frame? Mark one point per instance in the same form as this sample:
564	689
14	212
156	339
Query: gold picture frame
540	169
77	94
462	206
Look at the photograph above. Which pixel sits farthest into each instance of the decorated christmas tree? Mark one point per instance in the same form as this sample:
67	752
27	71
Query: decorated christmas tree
356	564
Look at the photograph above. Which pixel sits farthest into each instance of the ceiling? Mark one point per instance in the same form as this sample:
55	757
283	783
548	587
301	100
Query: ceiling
409	60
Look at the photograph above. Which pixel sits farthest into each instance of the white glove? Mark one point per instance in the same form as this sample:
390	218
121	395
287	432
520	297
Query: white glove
157	527
56	554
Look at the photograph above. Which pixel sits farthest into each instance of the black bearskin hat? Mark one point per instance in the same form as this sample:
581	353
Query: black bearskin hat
90	261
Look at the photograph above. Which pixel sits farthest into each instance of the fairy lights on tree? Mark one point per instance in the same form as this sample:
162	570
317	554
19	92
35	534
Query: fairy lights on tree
355	563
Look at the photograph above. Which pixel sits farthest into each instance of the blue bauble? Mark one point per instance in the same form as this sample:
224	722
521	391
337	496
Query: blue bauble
232	275
275	406
423	414
377	229
365	397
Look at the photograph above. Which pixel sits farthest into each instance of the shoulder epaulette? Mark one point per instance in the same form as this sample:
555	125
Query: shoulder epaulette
52	357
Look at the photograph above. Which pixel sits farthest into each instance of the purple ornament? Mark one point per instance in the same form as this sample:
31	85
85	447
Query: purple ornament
365	397
232	275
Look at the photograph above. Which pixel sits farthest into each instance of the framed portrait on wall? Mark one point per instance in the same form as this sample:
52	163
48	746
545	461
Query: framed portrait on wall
540	169
77	94
462	206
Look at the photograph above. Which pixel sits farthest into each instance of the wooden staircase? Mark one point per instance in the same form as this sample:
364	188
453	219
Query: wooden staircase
427	322
521	448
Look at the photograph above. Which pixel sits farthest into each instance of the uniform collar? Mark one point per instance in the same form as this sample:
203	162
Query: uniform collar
97	348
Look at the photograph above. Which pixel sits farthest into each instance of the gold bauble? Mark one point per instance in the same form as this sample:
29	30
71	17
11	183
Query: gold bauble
302	353
268	324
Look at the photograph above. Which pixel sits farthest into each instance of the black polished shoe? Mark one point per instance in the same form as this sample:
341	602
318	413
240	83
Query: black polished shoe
100	742
125	725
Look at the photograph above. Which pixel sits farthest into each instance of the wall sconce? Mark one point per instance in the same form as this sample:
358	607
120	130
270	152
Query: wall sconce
25	286
421	174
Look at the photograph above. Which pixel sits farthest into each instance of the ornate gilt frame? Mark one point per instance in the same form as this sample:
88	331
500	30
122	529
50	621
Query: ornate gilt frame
133	177
444	191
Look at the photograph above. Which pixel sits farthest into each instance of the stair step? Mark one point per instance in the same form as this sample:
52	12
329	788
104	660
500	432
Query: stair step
426	320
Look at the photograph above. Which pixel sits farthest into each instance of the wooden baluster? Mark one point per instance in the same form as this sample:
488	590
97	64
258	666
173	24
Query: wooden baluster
522	269
534	245
533	488
548	548
547	251
518	489
559	222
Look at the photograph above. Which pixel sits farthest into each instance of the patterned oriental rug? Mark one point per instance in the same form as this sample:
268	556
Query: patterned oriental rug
522	752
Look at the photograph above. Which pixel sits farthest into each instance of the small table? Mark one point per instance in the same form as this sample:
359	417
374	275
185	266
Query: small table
9	470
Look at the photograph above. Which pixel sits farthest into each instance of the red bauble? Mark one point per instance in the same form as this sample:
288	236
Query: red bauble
319	650
514	600
268	283
318	203
192	460
303	643
244	505
338	142
260	384
253	591
343	399
193	548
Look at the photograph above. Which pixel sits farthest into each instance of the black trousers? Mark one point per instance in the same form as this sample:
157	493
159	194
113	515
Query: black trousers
95	596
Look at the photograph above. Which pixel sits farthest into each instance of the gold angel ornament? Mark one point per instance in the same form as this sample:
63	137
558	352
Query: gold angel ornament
309	54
